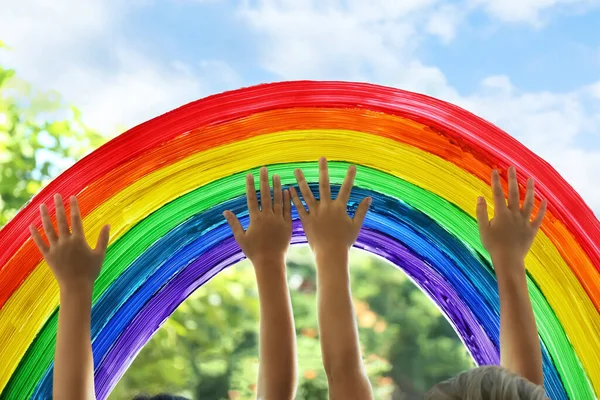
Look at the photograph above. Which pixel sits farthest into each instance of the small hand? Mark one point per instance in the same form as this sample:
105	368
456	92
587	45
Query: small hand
511	232
270	230
72	261
327	224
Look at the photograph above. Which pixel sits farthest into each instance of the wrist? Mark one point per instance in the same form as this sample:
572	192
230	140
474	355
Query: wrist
76	293
271	278
507	257
333	265
509	268
268	260
330	251
81	287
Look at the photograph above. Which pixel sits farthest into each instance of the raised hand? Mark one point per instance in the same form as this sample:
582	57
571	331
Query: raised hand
72	261
510	233
75	266
331	232
508	238
326	223
270	230
265	243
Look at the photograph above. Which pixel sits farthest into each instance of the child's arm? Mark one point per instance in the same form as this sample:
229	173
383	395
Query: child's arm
508	238
75	266
331	233
265	243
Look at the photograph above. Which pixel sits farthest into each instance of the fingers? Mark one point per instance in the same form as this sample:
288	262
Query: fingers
277	195
539	218
529	199
361	211
102	243
324	187
483	219
265	190
346	189
76	223
61	217
251	195
235	225
287	206
513	190
297	203
47	224
37	239
498	193
304	189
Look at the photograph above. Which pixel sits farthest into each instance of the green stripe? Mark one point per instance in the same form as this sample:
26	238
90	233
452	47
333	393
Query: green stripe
132	244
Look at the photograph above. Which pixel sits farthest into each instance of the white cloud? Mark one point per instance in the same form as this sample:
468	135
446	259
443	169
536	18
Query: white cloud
57	44
331	41
530	11
595	90
138	90
444	22
78	49
550	124
542	119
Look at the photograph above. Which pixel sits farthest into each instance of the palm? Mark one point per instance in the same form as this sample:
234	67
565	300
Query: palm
511	231
326	222
67	253
270	229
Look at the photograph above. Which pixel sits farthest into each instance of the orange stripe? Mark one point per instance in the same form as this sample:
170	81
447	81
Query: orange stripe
388	126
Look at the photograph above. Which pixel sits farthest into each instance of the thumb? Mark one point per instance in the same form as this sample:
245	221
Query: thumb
483	220
103	239
537	221
235	225
361	211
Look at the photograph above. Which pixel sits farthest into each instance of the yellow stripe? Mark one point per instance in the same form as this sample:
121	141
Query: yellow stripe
38	295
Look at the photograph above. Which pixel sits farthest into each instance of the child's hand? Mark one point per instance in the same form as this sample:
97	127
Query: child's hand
265	243
331	232
326	223
510	234
270	230
508	238
72	261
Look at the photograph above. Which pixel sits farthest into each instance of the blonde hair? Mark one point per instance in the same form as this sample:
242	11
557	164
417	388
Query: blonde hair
486	383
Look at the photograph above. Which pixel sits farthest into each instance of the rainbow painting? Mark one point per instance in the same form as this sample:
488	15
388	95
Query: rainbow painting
163	185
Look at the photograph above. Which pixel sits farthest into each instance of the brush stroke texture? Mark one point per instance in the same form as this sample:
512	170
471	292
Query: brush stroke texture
434	174
565	264
430	242
195	244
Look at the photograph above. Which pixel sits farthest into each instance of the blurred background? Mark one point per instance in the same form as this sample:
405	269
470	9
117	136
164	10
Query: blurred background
208	349
74	74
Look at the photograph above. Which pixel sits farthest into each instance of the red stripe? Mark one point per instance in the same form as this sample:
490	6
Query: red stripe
467	129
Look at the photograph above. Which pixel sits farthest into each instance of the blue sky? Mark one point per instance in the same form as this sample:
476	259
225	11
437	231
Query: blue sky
562	54
532	67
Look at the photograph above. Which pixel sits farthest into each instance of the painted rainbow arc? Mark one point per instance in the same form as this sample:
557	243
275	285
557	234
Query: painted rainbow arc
163	185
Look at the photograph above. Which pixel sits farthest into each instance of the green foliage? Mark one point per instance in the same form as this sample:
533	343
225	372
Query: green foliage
208	349
39	138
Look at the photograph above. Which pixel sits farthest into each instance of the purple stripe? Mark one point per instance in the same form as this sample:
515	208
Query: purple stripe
171	295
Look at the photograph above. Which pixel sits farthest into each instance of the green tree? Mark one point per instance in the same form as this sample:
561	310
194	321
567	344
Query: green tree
40	136
208	348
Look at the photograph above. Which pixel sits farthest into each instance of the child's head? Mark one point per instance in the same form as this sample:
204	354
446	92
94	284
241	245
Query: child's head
159	397
487	383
